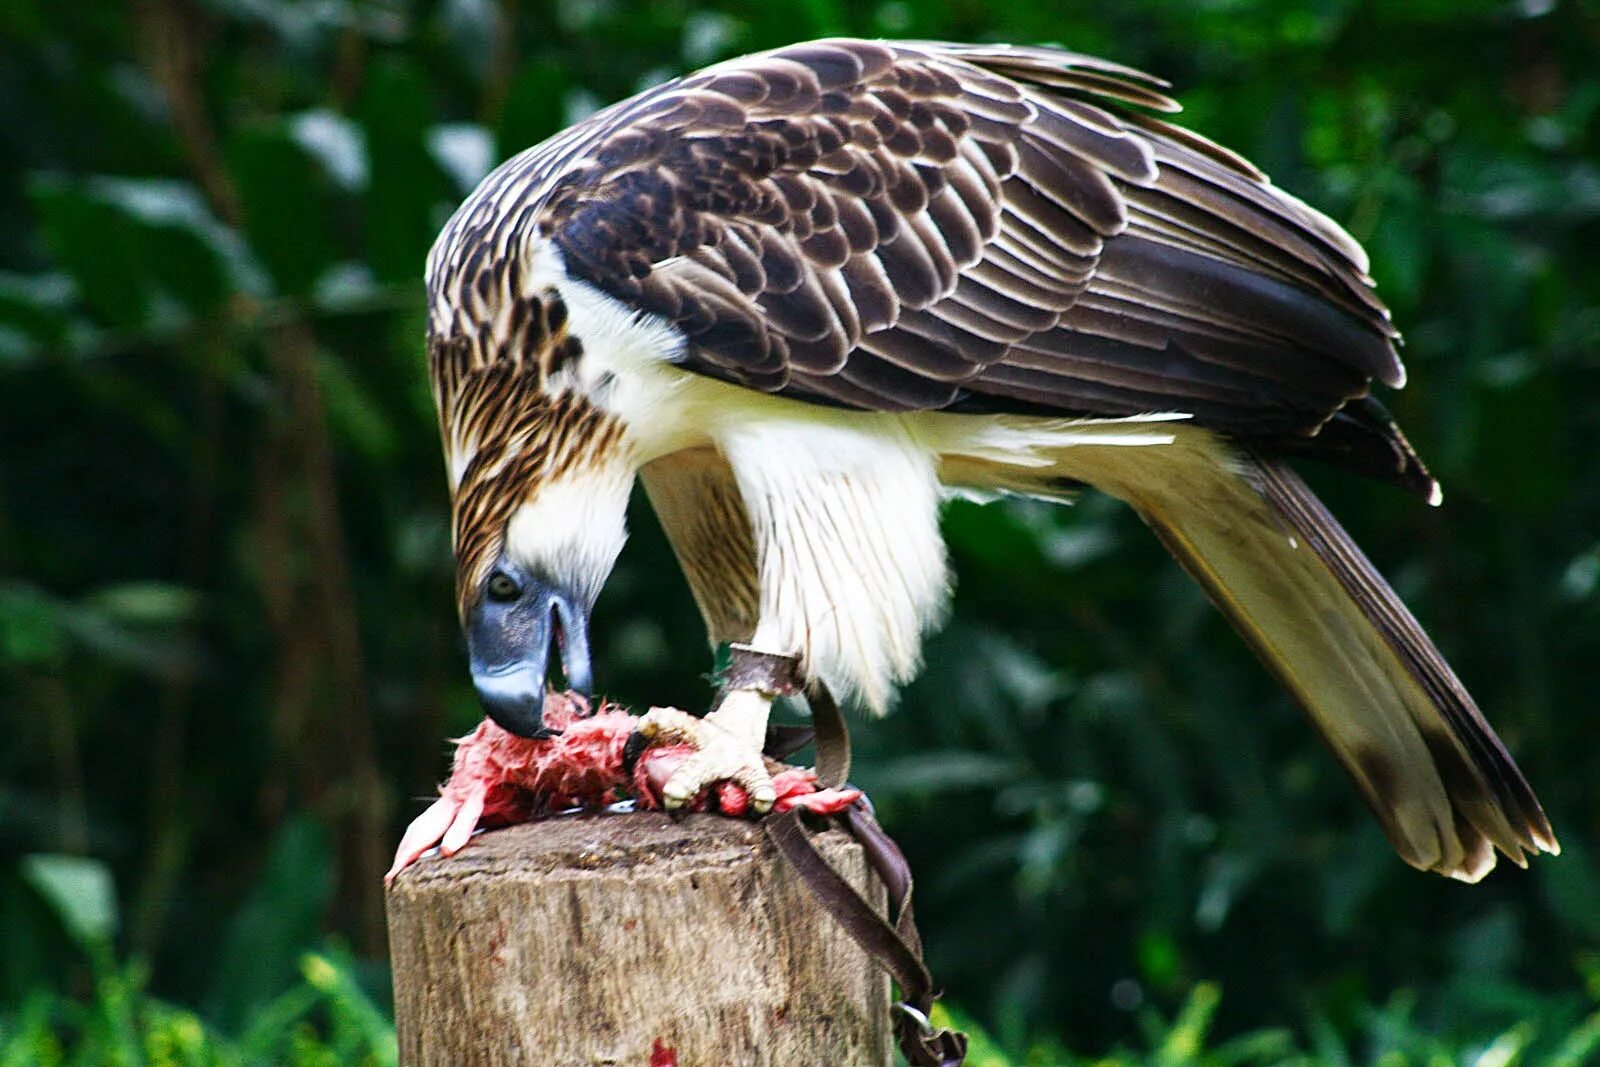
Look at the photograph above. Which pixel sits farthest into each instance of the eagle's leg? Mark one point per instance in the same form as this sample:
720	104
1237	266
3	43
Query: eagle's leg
703	515
728	742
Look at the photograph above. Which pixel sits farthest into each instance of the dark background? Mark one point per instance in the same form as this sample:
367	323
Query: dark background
228	656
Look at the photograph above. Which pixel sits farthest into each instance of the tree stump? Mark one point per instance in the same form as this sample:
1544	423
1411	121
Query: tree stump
612	939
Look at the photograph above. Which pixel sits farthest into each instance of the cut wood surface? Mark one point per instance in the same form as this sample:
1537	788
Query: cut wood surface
609	939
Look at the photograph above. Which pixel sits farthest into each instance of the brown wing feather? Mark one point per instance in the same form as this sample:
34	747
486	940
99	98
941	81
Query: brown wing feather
901	226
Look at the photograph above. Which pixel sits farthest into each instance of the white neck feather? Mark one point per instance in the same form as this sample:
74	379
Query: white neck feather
572	528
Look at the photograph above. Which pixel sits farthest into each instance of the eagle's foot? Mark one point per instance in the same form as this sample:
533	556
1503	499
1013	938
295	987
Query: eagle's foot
727	745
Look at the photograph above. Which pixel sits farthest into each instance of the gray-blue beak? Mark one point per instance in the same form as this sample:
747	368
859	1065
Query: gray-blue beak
509	634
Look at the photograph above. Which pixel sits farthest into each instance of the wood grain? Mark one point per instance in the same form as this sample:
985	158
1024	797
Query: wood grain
586	940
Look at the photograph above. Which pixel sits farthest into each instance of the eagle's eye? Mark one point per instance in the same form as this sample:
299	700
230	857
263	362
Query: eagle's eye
502	587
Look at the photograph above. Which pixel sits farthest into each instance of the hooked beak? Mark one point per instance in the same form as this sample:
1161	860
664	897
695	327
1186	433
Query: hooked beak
509	648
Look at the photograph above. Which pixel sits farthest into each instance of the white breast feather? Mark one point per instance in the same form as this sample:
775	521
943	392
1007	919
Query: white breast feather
845	510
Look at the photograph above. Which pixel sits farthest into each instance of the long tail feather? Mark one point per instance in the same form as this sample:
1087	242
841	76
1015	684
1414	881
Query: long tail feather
1301	593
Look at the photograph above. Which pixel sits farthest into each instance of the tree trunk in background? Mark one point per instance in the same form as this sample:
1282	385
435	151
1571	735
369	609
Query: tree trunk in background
606	940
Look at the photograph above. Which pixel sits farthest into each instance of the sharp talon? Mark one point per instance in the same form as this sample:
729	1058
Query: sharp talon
722	754
423	833
762	794
633	748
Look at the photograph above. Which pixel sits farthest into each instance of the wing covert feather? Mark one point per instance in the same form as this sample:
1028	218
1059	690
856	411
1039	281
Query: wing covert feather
915	225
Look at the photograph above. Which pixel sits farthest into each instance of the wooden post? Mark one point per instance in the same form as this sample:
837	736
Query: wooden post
609	939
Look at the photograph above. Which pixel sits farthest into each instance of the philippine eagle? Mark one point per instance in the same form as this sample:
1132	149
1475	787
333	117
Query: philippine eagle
806	294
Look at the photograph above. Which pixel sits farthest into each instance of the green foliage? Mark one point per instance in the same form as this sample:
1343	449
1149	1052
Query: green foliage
282	913
327	1020
319	1016
228	656
1390	1034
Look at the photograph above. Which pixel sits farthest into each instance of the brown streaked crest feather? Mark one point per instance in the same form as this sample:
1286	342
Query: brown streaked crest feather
493	323
505	436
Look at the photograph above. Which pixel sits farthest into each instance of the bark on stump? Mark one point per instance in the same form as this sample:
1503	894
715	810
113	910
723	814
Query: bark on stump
587	940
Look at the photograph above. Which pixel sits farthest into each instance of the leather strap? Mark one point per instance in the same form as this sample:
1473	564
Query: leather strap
832	736
894	942
772	673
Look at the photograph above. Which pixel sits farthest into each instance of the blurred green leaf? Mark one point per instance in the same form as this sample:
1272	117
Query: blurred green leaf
31	626
1580	1046
357	417
464	150
121	623
1533	476
81	892
194	256
939	771
33	312
1570	885
533	106
334	978
26	1039
99	246
145	603
1186	1039
337	143
406	183
287	219
1158	958
127	241
284	912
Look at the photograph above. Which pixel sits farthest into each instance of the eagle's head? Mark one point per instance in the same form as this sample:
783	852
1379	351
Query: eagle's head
540	477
